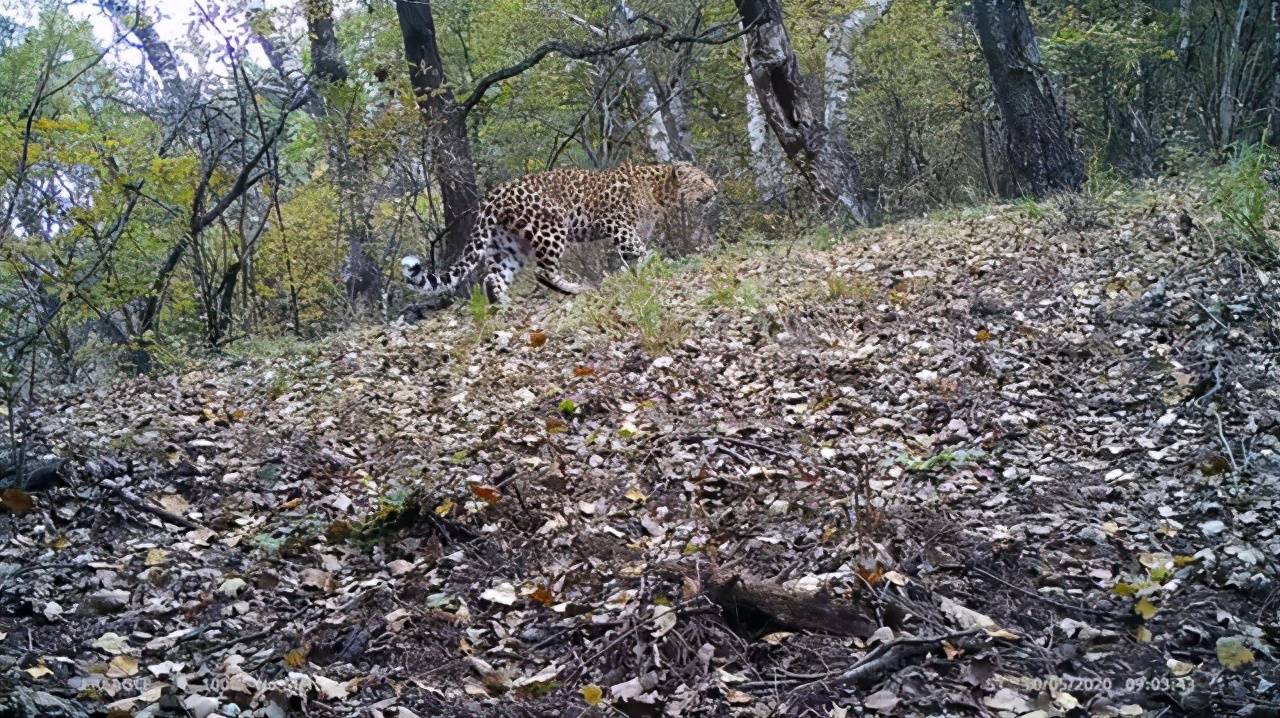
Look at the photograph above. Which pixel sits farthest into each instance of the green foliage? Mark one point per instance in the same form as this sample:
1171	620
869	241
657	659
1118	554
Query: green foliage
479	308
1248	202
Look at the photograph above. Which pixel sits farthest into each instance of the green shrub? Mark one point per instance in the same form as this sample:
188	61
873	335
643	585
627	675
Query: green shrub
1247	203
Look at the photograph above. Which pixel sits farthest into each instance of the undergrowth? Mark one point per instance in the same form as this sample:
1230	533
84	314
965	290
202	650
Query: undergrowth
1247	202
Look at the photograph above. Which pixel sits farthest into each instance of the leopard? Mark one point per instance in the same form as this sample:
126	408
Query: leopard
537	216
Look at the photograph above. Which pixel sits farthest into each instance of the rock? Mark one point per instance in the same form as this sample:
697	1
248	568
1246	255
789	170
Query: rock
105	601
26	702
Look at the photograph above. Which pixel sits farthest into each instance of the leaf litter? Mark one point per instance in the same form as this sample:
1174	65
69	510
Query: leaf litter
977	464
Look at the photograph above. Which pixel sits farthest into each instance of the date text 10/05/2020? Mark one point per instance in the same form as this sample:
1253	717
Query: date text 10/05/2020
1131	683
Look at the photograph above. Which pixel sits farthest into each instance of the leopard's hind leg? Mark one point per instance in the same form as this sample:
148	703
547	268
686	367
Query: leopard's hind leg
504	258
548	254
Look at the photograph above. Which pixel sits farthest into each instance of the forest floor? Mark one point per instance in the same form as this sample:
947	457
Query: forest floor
1022	460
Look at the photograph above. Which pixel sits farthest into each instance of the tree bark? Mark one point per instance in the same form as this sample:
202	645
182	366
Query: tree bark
661	109
766	156
1041	150
1226	91
446	123
789	107
1274	117
360	274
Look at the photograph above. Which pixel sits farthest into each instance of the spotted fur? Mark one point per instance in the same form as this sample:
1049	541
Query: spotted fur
537	216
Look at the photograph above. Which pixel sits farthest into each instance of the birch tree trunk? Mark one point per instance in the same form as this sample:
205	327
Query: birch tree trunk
662	109
838	80
788	104
1184	32
1226	91
1274	118
767	159
1041	150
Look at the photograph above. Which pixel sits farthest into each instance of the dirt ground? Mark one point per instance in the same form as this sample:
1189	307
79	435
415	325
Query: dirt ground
1017	461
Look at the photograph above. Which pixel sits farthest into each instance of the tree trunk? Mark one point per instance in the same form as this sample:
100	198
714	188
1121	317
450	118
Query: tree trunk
1184	32
766	156
446	123
1041	150
360	274
1274	117
789	107
1226	91
661	109
838	78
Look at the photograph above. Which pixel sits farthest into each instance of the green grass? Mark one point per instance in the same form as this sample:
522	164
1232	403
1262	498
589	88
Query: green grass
1247	203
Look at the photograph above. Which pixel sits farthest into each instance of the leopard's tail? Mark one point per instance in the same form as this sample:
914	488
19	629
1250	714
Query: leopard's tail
439	285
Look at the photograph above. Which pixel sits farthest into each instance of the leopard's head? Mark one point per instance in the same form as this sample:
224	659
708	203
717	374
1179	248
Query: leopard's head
694	187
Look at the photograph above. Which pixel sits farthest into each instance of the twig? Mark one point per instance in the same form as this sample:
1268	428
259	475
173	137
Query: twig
887	657
167	516
1035	595
1231	455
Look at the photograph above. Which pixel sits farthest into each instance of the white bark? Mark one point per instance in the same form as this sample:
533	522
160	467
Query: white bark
766	156
1184	30
1226	93
838	79
666	122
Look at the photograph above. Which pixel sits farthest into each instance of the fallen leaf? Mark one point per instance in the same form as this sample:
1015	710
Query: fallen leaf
173	503
537	339
1145	608
1232	652
581	371
882	701
333	690
556	425
17	501
485	493
503	593
122	667
543	595
156	557
38	672
592	694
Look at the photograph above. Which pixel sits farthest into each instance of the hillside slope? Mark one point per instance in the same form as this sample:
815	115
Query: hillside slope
1028	459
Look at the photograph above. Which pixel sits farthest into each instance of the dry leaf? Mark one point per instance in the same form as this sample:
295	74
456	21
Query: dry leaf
17	501
537	339
122	667
175	504
38	672
581	371
156	556
485	493
543	595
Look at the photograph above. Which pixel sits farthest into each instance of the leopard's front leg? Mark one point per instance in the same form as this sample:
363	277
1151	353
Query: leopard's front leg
633	242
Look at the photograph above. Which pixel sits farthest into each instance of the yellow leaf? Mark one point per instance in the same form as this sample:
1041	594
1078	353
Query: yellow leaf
1124	589
122	667
1145	608
485	493
38	672
556	425
592	694
17	501
297	657
1232	652
982	335
59	543
635	494
1181	561
445	508
156	556
1143	634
